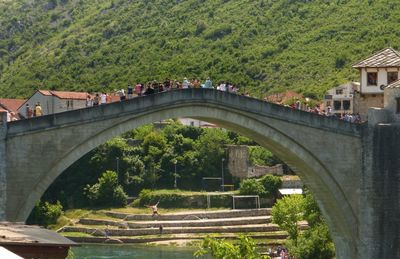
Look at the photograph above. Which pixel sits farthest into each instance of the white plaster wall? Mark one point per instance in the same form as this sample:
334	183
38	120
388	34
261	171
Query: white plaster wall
382	79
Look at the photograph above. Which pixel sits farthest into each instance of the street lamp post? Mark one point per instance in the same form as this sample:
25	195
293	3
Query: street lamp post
117	165
222	174
175	184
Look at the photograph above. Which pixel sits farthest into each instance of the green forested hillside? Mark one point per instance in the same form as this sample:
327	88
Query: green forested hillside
262	45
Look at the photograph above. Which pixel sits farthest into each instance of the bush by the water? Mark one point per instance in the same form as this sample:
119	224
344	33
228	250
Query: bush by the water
313	243
45	213
107	191
221	249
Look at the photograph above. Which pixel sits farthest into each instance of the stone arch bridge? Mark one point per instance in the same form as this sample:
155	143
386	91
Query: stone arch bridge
343	164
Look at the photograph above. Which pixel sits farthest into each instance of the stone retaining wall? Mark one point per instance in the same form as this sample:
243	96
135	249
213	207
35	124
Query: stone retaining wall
194	215
156	231
185	223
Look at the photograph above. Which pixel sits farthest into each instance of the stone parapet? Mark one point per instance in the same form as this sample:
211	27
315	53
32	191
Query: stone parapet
3	173
193	215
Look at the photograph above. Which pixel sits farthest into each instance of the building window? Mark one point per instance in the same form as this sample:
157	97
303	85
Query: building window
391	77
70	104
328	103
372	79
397	105
337	105
346	105
339	91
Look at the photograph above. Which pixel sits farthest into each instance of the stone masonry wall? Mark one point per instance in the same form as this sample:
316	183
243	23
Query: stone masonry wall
363	102
386	189
3	176
238	161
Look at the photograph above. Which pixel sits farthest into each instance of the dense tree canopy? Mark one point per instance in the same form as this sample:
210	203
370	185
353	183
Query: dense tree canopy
145	158
261	45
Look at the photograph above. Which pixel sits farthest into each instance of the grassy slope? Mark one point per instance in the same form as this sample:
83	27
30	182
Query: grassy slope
265	45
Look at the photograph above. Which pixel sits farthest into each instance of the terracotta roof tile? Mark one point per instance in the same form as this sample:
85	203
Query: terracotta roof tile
385	58
70	95
395	84
283	97
45	92
11	104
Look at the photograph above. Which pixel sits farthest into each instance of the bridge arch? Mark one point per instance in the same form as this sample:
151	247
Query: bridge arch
293	136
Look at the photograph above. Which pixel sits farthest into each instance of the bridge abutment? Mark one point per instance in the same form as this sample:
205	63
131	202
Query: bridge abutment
380	222
3	173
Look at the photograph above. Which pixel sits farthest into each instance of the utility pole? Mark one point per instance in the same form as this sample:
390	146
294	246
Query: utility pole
117	165
222	174
175	183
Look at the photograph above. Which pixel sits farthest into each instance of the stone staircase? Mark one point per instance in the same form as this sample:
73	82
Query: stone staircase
140	228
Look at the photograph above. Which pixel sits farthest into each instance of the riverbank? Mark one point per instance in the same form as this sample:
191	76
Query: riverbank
174	228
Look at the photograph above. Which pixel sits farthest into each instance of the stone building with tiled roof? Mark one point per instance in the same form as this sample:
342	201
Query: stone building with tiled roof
376	72
55	101
11	105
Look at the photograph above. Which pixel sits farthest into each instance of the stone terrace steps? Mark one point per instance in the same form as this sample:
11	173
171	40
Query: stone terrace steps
179	223
172	230
192	215
278	237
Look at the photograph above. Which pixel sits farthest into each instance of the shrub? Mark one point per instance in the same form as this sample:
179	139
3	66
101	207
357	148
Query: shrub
107	191
181	199
45	213
271	184
314	243
220	249
252	187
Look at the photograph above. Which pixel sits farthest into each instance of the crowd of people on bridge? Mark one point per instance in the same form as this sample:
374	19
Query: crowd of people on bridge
350	117
153	87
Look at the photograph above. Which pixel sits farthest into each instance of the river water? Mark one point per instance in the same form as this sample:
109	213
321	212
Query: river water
133	251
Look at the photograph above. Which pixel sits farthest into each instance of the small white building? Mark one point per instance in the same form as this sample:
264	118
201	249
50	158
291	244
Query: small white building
196	123
340	98
376	72
55	101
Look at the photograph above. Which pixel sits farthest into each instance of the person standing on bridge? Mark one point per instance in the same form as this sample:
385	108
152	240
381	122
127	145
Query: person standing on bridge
38	109
208	83
138	89
103	98
29	111
185	83
130	92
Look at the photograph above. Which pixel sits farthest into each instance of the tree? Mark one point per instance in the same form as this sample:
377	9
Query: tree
45	213
287	212
271	184
107	191
252	187
221	249
314	242
261	156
